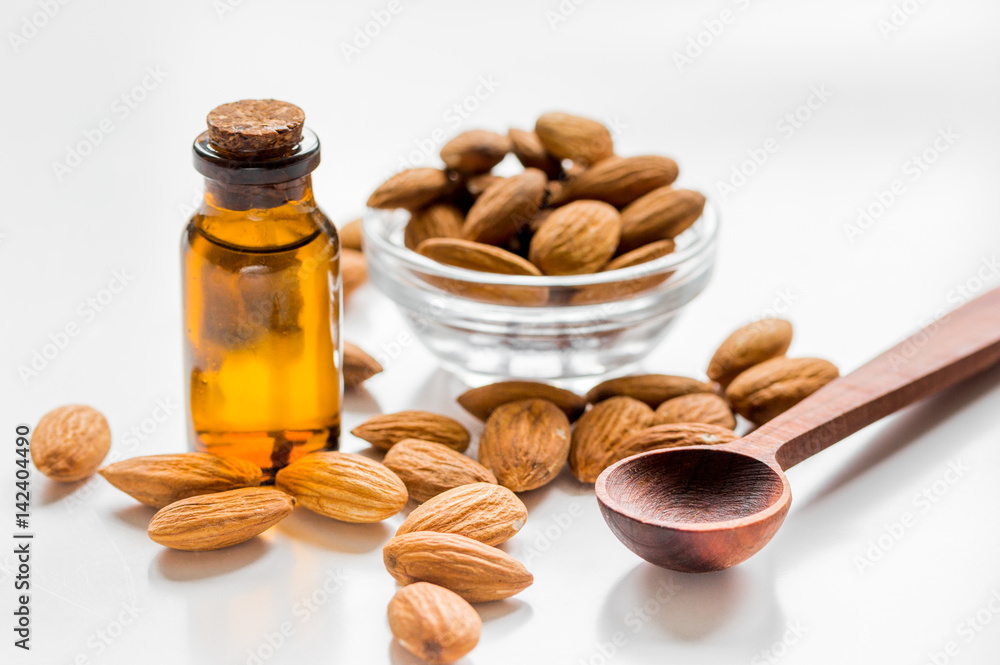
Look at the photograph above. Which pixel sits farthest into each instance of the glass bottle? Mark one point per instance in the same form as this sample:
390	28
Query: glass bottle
261	282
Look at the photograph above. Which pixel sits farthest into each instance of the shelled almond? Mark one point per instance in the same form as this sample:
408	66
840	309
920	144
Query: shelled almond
576	209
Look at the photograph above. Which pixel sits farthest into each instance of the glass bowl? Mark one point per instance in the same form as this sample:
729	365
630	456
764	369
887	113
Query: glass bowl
570	330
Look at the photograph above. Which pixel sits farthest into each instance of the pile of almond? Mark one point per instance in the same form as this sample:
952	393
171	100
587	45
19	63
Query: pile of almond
577	208
444	554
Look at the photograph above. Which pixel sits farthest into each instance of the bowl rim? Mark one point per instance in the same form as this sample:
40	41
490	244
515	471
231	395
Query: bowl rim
708	227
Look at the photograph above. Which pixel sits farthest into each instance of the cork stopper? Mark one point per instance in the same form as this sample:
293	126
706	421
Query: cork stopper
255	126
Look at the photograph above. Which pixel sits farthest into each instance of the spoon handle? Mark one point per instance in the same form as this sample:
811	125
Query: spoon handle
948	351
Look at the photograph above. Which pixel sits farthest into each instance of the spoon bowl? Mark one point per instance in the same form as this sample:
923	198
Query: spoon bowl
679	508
706	508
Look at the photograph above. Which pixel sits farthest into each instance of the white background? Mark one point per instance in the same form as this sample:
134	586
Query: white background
785	244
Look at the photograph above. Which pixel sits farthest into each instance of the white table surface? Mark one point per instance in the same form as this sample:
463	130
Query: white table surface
104	593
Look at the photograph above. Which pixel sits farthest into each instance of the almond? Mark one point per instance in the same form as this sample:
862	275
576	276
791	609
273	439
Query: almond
776	385
484	258
475	151
625	289
750	345
477	572
528	149
485	512
619	180
662	214
667	436
412	189
344	486
428	468
70	442
353	270
214	521
440	220
483	401
576	239
600	429
384	430
505	208
572	137
525	443
358	366
159	480
707	408
653	389
350	235
433	623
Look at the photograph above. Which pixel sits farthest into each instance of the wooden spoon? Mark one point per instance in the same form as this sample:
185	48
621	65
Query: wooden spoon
705	508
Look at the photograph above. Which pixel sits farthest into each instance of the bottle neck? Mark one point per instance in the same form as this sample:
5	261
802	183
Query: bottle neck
231	196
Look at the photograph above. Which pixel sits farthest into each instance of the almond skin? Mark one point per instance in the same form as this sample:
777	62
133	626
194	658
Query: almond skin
358	366
618	180
528	149
440	220
159	480
600	429
214	521
662	214
344	486
505	208
475	571
433	623
350	235
653	389
666	436
385	430
483	401
428	468
625	289
412	189
353	270
750	345
475	151
484	258
776	385
485	512
576	239
707	408
572	137
525	443
70	442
